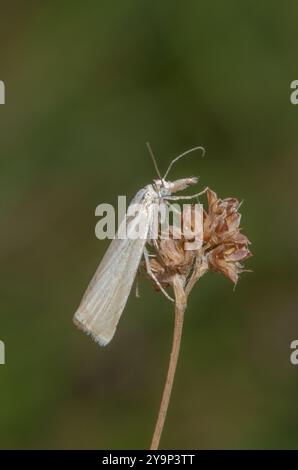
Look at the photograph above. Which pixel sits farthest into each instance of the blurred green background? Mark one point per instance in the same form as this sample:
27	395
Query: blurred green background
87	84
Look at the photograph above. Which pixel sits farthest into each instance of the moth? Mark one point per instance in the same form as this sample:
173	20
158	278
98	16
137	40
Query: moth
104	300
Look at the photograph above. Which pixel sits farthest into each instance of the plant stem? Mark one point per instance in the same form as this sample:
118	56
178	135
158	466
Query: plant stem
180	305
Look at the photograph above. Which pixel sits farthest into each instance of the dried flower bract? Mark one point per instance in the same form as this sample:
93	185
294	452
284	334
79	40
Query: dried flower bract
224	247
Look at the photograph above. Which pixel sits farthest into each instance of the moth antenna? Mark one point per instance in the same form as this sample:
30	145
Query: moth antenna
183	155
154	161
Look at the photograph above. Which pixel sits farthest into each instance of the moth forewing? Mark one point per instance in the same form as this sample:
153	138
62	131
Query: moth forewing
105	298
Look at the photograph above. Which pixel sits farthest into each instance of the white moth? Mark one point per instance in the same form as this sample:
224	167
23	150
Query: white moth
106	295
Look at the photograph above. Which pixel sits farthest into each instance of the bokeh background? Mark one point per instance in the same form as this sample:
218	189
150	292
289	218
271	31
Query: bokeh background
87	84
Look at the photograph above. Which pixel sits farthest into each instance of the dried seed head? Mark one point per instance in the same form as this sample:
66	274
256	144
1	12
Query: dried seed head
171	259
220	245
225	245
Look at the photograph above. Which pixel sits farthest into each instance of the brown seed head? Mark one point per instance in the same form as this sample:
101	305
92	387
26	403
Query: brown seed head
224	246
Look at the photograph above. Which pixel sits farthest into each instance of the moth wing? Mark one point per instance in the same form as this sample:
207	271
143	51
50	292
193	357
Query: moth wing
105	298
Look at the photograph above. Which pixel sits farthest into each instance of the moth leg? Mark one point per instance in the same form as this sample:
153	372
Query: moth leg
152	239
155	244
152	275
172	207
178	198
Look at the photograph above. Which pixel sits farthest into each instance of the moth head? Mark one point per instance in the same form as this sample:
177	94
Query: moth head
166	188
162	187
